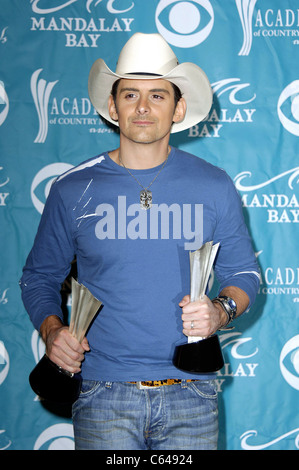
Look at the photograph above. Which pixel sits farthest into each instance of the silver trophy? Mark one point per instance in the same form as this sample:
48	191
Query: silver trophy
48	380
200	355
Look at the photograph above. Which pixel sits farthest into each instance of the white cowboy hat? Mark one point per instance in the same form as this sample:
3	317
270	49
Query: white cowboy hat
148	56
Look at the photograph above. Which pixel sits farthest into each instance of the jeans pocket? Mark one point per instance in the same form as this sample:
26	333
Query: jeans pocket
204	388
88	387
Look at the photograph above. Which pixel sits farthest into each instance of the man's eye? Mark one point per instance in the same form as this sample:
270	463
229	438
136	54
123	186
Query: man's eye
158	97
130	95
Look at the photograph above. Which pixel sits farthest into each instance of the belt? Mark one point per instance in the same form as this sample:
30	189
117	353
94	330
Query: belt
159	383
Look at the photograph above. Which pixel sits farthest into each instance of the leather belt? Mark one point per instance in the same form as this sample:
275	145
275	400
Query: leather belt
159	383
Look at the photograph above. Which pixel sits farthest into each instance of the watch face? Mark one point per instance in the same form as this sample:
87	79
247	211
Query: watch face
232	303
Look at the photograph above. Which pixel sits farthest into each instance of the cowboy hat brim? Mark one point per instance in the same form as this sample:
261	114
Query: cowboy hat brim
188	77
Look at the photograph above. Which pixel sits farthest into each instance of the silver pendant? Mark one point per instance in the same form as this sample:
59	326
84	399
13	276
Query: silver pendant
146	199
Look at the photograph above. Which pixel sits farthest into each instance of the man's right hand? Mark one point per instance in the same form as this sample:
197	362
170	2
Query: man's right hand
62	347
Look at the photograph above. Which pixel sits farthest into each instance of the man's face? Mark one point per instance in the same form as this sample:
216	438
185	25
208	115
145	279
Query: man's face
145	109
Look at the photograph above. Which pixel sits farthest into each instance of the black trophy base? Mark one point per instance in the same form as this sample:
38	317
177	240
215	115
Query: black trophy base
204	356
52	383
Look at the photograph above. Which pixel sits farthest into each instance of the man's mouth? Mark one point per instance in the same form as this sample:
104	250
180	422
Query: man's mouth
142	122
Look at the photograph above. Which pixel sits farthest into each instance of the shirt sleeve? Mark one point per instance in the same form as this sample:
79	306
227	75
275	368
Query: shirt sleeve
236	263
49	261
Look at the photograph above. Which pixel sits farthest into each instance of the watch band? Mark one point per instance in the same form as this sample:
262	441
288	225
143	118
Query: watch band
229	306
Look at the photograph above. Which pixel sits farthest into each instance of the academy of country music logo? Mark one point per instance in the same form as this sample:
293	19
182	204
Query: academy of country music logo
268	23
281	277
62	111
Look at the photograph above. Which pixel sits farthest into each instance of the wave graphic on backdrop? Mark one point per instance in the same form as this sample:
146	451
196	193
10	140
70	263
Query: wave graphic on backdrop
294	172
248	434
245	9
41	94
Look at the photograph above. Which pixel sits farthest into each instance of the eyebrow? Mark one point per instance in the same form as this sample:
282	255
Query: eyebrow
153	90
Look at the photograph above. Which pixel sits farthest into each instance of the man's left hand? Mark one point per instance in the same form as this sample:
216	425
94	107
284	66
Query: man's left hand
203	315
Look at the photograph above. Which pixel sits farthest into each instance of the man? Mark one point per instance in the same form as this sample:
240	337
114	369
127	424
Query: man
130	216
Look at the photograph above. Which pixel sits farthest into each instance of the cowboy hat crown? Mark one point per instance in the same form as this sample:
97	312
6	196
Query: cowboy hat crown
148	56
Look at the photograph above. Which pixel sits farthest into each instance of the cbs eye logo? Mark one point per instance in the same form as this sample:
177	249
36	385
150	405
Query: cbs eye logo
57	437
289	362
43	181
3	101
184	24
288	108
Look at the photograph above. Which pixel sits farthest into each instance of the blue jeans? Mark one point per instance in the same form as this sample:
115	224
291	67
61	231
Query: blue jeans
119	416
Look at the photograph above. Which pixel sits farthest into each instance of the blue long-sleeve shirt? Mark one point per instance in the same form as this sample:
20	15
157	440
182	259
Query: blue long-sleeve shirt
136	261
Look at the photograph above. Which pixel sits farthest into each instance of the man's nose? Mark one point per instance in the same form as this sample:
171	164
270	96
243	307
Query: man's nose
142	106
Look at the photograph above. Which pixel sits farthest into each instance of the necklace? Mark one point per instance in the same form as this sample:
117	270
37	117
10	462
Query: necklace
146	196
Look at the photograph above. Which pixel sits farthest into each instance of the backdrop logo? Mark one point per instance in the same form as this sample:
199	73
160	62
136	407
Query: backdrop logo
3	297
56	437
5	442
4	362
280	280
62	111
3	182
4	103
286	111
3	38
239	95
253	433
78	31
184	24
271	23
41	91
38	346
289	362
281	207
43	181
239	365
245	10
66	3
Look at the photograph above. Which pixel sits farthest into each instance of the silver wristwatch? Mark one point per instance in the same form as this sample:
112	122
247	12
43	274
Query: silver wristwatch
229	306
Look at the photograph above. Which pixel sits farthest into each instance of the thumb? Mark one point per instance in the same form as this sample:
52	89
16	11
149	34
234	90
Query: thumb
185	300
85	344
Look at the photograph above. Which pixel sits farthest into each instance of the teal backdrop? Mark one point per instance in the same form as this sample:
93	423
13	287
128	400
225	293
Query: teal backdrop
250	52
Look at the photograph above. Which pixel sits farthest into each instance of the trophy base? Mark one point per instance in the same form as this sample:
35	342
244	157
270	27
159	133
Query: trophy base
52	383
204	356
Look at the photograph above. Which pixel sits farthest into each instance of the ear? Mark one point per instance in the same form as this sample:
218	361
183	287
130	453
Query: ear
180	110
112	108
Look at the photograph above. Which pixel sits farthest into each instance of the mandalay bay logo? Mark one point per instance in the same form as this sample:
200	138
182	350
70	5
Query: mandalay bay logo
81	31
235	98
279	207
